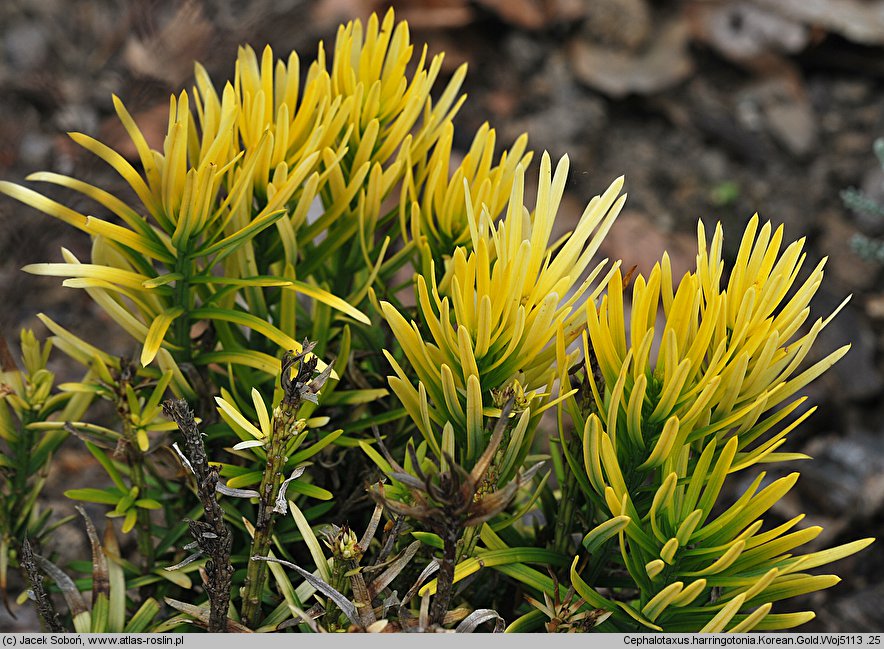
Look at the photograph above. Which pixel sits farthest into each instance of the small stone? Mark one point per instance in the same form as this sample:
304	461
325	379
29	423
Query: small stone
875	306
619	23
77	117
780	105
660	64
35	148
859	22
525	53
793	124
742	31
25	45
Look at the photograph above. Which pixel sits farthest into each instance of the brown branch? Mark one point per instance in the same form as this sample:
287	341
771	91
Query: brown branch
212	535
45	608
445	580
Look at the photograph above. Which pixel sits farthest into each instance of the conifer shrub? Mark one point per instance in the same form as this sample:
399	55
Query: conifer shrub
366	374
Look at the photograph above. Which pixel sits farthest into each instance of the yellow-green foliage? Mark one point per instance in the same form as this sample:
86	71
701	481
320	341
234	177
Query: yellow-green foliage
278	211
505	299
714	401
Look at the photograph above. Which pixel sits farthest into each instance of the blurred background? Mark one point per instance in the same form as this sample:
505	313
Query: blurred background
712	109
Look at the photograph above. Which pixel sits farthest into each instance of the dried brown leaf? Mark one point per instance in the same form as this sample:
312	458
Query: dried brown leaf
202	614
395	567
480	616
100	575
